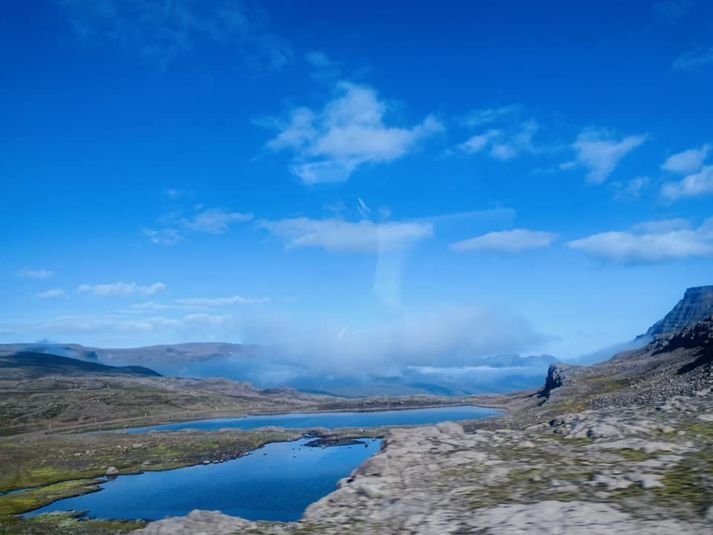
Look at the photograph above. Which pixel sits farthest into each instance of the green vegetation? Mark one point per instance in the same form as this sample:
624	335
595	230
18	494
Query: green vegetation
634	456
36	461
690	483
22	502
64	524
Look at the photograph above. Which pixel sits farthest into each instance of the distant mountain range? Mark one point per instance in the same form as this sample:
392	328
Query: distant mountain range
259	365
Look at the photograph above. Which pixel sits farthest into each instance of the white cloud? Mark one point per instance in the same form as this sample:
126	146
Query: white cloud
688	161
339	236
507	242
164	236
222	301
600	152
126	330
651	242
485	116
161	30
662	225
208	220
633	188
437	336
215	220
55	293
114	289
153	306
348	132
694	185
694	59
479	142
39	274
511	138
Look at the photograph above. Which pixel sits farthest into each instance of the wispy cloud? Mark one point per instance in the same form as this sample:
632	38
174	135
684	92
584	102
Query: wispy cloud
323	67
506	242
662	225
694	59
123	328
651	242
207	220
222	301
160	30
214	220
152	306
687	161
693	185
40	274
485	116
197	303
600	152
507	135
164	236
55	293
349	131
117	289
340	236
631	189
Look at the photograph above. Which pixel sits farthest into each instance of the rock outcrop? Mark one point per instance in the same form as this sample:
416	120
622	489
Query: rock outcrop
696	305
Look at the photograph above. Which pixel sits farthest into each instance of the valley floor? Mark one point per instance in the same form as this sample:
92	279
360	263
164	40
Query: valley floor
643	469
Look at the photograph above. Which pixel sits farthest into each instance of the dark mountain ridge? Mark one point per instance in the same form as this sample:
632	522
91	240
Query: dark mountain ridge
696	305
29	365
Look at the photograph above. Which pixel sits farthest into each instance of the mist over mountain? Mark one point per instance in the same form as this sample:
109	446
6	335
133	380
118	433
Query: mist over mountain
415	367
263	367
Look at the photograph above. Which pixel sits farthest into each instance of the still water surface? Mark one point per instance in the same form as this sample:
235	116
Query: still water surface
276	482
333	420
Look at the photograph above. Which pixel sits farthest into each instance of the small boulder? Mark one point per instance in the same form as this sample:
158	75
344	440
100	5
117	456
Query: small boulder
112	471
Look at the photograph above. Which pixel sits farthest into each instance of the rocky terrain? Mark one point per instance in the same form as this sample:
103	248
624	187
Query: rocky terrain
696	305
618	448
636	470
625	446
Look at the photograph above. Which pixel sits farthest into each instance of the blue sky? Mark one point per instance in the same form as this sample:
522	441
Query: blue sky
360	184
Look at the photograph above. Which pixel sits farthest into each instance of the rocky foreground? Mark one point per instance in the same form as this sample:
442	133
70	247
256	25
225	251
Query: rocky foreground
624	447
646	470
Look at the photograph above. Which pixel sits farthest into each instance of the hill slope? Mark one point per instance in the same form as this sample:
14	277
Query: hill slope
29	365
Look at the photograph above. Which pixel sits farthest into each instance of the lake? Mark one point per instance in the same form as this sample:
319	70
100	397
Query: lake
333	420
276	482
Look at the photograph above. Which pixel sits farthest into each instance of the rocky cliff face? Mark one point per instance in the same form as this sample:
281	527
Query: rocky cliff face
696	305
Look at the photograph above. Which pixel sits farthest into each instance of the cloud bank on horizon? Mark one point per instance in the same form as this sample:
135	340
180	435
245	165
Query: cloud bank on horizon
374	198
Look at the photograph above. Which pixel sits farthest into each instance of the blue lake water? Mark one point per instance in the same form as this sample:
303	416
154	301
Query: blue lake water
276	482
333	420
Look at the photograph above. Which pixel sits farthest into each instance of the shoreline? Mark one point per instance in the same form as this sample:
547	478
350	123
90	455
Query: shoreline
186	416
